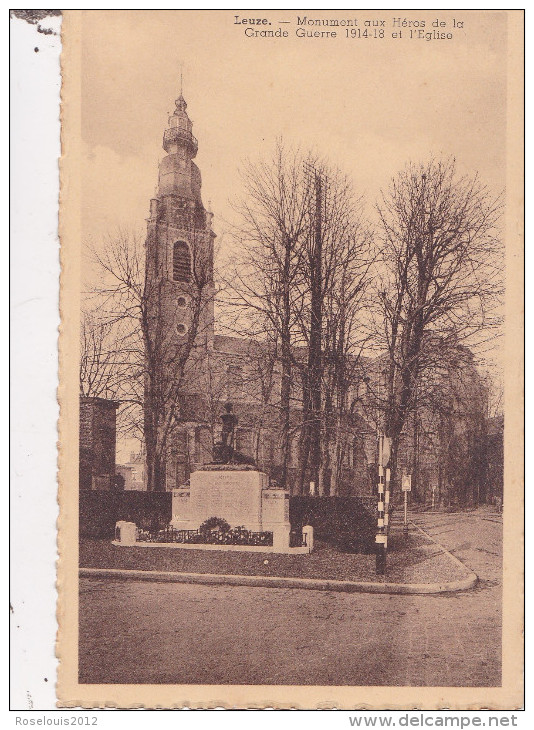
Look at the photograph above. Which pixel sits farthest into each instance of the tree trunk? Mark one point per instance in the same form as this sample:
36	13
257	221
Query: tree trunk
338	459
285	393
285	388
159	473
392	466
155	461
304	441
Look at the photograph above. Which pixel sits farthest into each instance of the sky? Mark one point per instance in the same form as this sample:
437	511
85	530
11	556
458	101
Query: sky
367	105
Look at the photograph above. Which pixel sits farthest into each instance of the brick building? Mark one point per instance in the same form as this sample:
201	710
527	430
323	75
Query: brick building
443	445
98	441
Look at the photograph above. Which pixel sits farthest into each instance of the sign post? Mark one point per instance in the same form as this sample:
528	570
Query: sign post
406	487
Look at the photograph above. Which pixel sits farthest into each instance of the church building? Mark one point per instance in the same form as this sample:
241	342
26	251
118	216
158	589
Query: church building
219	368
212	369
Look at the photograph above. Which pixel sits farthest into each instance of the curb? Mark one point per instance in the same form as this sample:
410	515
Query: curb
314	584
471	574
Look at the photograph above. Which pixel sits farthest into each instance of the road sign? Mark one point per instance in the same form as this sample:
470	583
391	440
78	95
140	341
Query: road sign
385	451
406	482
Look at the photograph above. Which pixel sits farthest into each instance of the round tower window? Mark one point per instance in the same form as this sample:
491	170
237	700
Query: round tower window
181	329
181	302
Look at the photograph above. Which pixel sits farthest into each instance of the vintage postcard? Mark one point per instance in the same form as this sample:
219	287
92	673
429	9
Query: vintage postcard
291	359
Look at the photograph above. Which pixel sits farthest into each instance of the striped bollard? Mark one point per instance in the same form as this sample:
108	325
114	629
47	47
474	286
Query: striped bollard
381	534
386	510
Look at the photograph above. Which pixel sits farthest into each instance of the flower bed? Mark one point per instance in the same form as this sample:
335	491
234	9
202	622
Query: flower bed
202	536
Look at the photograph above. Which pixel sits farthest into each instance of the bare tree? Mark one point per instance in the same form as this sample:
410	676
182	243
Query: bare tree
142	300
495	389
346	282
438	282
335	278
298	282
98	358
111	363
271	234
260	383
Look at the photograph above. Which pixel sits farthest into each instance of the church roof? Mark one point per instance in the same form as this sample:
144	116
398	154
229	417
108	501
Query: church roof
245	346
235	345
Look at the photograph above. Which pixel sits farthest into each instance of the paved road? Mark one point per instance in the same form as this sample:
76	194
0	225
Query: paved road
141	632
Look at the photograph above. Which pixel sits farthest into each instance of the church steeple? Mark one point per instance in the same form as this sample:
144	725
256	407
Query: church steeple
178	174
179	133
180	238
181	104
179	281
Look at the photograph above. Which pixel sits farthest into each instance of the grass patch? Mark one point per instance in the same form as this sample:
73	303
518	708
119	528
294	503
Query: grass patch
413	559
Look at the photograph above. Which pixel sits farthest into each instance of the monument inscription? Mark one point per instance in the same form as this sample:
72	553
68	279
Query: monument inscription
235	496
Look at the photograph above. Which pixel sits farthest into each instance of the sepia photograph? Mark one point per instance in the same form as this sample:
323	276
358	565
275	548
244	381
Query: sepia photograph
291	359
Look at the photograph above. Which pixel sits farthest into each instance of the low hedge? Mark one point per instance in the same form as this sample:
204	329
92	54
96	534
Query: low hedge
345	522
348	523
100	510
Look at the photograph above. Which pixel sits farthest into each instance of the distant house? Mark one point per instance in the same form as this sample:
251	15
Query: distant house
133	472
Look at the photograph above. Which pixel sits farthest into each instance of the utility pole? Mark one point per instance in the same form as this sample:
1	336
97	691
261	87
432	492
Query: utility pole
312	399
316	322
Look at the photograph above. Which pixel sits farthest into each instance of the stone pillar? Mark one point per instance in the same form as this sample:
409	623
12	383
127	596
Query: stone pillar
274	508
127	532
181	509
307	532
275	517
281	537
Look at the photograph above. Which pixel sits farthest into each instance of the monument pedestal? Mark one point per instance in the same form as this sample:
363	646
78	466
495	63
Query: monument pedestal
275	516
181	513
238	494
280	537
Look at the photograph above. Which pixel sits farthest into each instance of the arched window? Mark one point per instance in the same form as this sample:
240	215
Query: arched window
181	262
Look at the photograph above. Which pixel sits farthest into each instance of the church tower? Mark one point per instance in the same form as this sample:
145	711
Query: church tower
179	295
179	248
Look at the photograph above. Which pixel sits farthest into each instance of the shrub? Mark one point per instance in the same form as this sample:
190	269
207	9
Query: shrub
345	522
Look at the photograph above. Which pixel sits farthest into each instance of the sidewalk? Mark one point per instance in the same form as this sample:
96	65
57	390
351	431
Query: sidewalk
415	564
